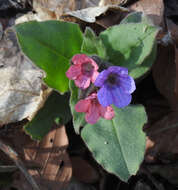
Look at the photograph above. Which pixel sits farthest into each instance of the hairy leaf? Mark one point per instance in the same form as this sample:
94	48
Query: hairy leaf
50	45
118	144
56	110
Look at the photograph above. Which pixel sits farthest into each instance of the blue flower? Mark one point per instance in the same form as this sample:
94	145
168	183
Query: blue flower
116	87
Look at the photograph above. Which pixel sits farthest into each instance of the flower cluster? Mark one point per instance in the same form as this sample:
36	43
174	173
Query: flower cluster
115	87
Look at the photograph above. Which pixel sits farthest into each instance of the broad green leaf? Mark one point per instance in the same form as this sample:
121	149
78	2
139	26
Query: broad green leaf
129	44
92	44
118	144
78	118
136	17
56	110
50	45
145	66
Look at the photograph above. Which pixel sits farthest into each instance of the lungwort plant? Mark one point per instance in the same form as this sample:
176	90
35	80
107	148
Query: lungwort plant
100	72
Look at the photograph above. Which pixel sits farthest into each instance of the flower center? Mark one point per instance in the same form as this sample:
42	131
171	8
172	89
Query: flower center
112	79
87	69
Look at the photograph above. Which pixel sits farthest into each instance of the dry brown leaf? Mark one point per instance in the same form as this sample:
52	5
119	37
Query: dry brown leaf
156	108
162	147
47	9
153	8
89	15
12	154
176	60
1	30
83	171
171	7
173	31
169	172
20	82
76	185
89	3
112	17
167	57
112	2
164	73
49	157
164	135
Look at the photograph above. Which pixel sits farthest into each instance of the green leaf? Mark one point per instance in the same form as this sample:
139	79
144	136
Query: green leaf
129	44
50	45
118	144
56	110
136	17
92	45
78	118
145	66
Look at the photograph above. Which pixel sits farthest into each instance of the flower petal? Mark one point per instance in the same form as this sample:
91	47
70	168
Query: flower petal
121	71
91	97
101	78
78	59
82	58
94	76
104	96
82	106
93	63
127	84
120	98
92	115
82	82
73	72
107	112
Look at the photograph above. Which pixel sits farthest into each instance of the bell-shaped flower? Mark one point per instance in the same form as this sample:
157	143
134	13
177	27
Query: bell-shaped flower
116	87
93	109
83	71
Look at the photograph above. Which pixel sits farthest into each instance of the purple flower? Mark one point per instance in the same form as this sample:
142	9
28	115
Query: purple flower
116	87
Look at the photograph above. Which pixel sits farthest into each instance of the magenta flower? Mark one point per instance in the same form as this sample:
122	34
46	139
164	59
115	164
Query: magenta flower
116	87
83	71
93	109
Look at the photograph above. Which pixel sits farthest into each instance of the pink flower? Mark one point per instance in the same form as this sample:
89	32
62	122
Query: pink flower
93	109
83	71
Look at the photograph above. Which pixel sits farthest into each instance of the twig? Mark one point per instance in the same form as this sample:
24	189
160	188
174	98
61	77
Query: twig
14	156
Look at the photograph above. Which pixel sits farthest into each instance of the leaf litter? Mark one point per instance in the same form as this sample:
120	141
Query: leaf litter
21	92
160	102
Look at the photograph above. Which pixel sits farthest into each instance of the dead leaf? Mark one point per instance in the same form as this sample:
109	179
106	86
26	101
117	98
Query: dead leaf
112	2
162	147
20	82
89	15
152	8
156	108
164	73
1	31
164	135
171	8
169	172
80	166
176	60
173	31
47	9
141	185
15	157
51	164
88	3
112	17
76	185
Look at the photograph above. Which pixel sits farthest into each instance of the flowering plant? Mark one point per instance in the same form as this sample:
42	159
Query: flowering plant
101	73
115	85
